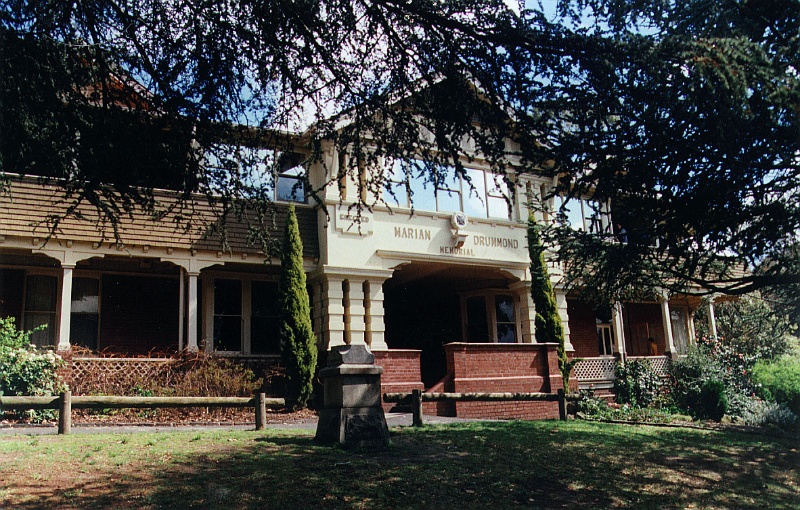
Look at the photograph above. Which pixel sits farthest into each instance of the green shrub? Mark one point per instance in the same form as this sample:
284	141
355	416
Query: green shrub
779	381
589	406
26	370
713	359
636	383
712	402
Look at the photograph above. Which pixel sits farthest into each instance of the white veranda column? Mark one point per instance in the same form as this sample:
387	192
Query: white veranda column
333	326
65	313
357	323
181	307
670	350
375	327
191	322
619	332
692	330
712	319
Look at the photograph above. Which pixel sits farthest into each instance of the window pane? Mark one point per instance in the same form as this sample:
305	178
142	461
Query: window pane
228	333
83	329
498	208
498	187
572	209
423	196
290	189
506	333
264	335
264	296
477	327
396	194
504	308
41	293
264	320
45	337
448	200
12	282
85	292
604	340
227	297
475	194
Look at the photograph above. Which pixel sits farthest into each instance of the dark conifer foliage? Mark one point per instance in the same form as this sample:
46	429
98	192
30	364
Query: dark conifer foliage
547	321
298	344
683	116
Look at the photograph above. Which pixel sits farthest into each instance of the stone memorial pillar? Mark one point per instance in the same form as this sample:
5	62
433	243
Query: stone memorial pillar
352	414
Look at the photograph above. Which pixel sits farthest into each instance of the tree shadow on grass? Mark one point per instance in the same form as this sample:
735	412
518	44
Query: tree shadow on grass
498	466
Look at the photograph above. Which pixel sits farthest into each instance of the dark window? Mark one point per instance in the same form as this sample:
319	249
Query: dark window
227	315
264	318
506	320
12	282
40	308
85	316
477	323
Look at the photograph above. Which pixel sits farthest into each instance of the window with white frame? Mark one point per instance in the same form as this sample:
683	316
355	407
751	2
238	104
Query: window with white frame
605	340
477	193
280	172
585	215
489	317
245	316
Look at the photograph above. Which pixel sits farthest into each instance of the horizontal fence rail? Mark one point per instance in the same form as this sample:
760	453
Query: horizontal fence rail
417	397
473	397
65	402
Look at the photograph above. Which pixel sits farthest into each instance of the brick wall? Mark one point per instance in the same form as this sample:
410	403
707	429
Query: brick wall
401	372
582	329
520	368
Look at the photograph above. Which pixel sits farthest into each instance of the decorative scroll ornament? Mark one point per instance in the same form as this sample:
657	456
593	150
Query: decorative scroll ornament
459	221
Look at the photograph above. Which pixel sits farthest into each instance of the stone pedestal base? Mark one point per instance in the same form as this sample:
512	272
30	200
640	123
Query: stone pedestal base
353	427
352	413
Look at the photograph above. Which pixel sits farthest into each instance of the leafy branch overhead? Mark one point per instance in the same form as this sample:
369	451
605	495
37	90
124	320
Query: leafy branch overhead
683	118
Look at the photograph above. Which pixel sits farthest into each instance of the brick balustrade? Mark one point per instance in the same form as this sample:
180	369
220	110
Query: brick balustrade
519	368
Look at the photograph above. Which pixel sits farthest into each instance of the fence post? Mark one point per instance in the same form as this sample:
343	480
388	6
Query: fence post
65	413
416	408
261	410
562	405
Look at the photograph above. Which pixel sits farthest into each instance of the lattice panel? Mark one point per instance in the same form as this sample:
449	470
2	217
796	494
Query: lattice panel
595	369
660	364
103	374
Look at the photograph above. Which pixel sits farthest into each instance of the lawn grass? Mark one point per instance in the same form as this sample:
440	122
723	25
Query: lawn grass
493	465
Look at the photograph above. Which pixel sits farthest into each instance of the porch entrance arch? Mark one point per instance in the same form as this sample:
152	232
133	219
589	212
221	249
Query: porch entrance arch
430	304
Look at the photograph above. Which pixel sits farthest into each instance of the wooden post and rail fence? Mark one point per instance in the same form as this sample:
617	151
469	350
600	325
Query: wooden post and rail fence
65	402
417	397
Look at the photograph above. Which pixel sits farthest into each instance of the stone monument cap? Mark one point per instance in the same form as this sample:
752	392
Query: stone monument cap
355	354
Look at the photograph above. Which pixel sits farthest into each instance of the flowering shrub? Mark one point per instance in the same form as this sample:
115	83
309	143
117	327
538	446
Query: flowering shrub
713	360
24	369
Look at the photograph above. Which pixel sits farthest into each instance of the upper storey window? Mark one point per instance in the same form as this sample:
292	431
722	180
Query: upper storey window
281	174
585	215
478	193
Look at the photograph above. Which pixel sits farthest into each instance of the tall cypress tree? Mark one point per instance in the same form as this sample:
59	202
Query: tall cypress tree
547	321
298	345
